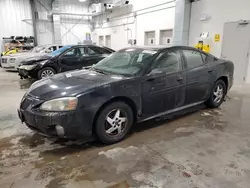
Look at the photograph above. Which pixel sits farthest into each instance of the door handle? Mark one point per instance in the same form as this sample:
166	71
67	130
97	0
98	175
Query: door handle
210	71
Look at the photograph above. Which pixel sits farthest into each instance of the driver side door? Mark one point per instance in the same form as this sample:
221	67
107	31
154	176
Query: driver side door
163	89
70	60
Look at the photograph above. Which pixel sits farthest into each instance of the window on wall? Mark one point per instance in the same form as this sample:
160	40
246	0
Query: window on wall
166	37
149	38
193	58
101	40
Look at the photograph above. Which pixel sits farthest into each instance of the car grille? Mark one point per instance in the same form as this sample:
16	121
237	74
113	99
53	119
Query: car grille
4	60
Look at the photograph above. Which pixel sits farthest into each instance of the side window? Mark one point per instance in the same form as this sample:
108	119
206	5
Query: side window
106	51
60	47
169	62
52	48
84	51
193	58
204	57
75	52
95	50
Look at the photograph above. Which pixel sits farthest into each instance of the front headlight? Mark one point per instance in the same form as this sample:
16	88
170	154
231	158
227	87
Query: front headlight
60	104
27	67
12	60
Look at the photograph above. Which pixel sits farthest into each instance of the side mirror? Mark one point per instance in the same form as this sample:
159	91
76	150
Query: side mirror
155	71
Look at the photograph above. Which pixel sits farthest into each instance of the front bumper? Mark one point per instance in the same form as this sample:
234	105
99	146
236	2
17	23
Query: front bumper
23	73
74	123
7	65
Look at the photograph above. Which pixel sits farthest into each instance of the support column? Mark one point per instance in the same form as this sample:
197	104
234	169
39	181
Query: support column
33	14
182	22
56	23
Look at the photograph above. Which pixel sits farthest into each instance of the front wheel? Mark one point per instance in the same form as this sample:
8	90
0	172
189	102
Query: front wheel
46	72
114	122
217	95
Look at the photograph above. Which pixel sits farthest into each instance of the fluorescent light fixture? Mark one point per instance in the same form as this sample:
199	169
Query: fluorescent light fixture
82	0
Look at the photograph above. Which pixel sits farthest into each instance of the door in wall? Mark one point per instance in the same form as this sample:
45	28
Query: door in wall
149	38
108	41
166	37
101	41
236	45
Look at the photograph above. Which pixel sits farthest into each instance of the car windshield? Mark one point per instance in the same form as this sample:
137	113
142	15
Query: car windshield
126	62
59	51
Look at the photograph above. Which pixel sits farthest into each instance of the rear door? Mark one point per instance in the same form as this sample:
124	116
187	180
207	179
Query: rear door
70	60
96	54
164	88
198	77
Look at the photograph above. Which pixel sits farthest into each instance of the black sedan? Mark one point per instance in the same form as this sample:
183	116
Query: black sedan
132	85
67	58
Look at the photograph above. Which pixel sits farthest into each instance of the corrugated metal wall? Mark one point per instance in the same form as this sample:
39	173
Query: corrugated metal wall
78	25
73	28
44	28
12	12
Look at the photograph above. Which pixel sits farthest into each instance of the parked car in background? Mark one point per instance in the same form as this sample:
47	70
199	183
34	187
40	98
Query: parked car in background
132	85
67	58
12	61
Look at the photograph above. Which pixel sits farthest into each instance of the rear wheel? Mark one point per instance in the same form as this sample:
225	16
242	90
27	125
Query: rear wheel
217	95
114	122
46	72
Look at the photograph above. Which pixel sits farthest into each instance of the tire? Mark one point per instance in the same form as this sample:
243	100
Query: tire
111	128
43	71
212	102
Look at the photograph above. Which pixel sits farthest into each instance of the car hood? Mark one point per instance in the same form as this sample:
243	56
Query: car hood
21	54
36	58
70	84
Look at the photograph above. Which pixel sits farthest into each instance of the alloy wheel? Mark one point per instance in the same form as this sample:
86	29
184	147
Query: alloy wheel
218	93
116	121
47	73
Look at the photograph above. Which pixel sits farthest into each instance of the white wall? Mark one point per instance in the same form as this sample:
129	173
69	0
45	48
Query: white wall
76	34
79	24
44	28
154	21
220	11
12	12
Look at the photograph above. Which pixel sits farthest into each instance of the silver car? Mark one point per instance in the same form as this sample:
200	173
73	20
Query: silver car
12	61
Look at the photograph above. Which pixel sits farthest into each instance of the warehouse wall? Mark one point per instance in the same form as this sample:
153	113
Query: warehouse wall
44	27
73	28
126	28
12	12
219	11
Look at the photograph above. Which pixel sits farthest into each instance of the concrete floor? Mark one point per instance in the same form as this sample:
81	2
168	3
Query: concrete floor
201	148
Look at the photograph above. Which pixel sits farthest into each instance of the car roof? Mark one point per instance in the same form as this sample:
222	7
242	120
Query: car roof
160	47
74	45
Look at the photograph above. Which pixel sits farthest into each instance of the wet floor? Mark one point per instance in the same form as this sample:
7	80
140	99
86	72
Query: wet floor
194	149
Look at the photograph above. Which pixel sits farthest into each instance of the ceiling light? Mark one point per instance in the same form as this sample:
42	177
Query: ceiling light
82	0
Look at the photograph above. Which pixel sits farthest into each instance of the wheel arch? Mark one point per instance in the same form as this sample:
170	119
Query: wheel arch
50	66
126	100
224	79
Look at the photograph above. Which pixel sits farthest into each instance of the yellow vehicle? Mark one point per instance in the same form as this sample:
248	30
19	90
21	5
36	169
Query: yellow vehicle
10	51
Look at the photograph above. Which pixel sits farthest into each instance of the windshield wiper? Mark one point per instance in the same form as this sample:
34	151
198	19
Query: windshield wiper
100	71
